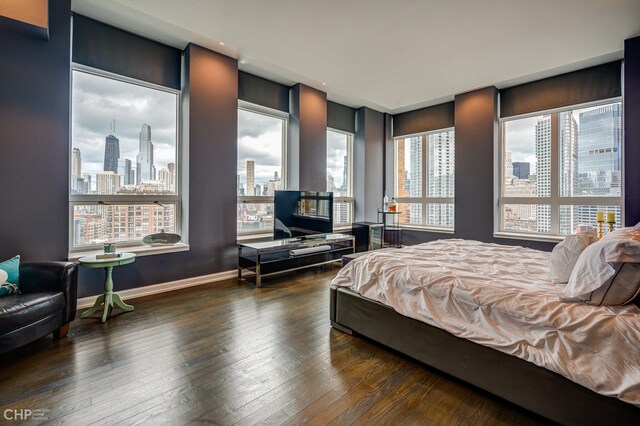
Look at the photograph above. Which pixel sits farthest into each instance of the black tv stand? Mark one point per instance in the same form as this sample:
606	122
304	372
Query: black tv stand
257	260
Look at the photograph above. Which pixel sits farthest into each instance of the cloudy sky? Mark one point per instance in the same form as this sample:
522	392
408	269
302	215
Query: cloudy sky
260	140
336	150
98	100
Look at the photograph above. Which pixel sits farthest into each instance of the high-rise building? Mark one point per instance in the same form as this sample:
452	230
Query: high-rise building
345	176
508	165
521	169
251	187
441	177
76	163
125	171
402	174
111	154
168	179
76	171
599	160
107	183
331	186
145	170
415	174
543	172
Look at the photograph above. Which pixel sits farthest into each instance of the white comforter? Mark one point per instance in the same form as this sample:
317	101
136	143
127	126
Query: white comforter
499	296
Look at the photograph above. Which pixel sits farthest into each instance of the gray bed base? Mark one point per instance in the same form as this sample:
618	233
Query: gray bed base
513	379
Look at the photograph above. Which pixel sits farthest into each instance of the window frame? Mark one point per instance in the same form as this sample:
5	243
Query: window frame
264	199
130	199
555	201
424	199
349	199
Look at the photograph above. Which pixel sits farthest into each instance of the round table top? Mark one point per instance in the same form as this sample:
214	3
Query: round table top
92	262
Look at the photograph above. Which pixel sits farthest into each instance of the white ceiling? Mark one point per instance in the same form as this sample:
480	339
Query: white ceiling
392	56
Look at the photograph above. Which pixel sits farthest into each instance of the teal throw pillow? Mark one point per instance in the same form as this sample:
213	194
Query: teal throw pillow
9	284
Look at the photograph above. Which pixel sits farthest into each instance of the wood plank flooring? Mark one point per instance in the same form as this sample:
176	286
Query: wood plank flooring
226	353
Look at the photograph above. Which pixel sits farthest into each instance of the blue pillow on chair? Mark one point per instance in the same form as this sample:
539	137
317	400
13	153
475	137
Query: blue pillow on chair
10	268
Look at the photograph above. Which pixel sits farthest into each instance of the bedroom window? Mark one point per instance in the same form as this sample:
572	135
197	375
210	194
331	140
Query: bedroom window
424	179
261	144
558	168
124	160
339	181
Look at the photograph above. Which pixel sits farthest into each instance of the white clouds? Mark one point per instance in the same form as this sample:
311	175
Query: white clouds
260	139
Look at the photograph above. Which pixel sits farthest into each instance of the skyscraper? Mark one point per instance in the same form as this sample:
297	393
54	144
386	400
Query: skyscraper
599	159
76	163
251	187
521	170
543	172
111	154
125	171
107	183
441	157
76	171
145	170
415	174
167	177
402	175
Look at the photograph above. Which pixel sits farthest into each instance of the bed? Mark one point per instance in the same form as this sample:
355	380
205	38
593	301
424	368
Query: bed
488	314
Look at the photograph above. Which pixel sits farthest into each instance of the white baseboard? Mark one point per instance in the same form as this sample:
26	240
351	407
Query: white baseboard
132	293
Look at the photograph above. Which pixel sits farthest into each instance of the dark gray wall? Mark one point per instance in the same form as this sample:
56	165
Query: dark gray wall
341	117
34	141
424	119
368	164
307	148
260	91
111	49
586	85
632	130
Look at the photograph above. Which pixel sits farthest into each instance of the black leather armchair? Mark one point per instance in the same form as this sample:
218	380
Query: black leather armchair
47	303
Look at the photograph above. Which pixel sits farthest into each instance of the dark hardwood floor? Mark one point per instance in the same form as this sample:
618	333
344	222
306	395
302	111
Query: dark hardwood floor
226	353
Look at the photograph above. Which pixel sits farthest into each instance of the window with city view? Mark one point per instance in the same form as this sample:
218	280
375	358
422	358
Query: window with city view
339	149
425	179
123	178
560	168
261	138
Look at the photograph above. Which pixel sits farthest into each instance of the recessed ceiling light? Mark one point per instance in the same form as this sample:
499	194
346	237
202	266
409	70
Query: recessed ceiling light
324	84
221	43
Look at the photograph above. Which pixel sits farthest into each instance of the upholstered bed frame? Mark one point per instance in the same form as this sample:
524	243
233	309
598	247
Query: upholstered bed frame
520	382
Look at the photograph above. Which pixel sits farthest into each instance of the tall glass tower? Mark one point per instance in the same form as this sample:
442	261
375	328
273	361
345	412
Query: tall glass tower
145	170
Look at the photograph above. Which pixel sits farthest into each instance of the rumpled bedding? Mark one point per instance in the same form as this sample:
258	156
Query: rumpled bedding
500	297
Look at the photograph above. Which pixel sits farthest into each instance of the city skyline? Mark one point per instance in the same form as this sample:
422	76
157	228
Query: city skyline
98	101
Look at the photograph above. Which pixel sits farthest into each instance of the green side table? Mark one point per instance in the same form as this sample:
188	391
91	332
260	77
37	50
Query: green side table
109	297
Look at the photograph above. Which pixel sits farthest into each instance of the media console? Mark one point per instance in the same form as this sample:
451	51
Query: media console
265	258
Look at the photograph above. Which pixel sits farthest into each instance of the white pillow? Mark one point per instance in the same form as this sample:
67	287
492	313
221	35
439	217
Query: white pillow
3	276
600	262
566	253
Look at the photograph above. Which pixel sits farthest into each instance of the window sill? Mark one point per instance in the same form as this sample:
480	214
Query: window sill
427	229
138	250
529	237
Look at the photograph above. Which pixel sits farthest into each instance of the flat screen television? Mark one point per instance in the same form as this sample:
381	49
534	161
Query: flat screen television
301	213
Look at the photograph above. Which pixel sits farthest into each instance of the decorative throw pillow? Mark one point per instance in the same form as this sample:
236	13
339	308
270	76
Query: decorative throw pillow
601	276
11	269
566	253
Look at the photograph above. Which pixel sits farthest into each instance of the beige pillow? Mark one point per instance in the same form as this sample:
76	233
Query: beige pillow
566	253
621	289
607	272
